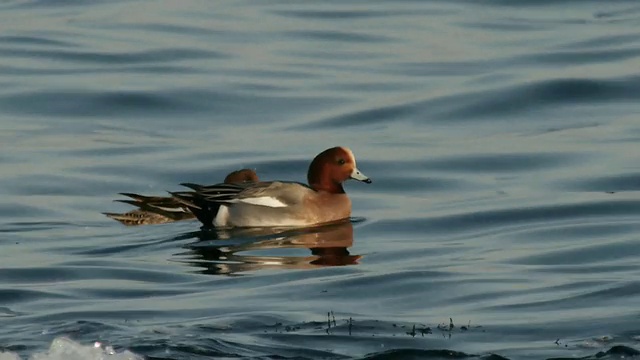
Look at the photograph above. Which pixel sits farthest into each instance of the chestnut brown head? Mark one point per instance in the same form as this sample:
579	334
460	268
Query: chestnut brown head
331	168
241	176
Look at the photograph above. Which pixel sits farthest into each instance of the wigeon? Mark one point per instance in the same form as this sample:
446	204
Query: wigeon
160	210
280	203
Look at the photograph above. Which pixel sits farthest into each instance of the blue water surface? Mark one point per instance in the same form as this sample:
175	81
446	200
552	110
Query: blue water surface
501	136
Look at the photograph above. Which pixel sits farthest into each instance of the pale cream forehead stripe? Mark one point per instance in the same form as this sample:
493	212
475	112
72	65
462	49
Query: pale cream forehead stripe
353	158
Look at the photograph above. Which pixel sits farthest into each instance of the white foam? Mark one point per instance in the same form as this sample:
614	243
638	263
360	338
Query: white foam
65	349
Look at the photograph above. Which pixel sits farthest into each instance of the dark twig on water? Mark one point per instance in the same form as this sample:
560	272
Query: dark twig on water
413	331
557	342
328	321
465	328
350	325
425	330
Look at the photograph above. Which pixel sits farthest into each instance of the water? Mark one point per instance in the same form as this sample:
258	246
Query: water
502	139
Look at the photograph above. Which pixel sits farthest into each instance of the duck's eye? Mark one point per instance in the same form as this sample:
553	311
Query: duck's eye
341	161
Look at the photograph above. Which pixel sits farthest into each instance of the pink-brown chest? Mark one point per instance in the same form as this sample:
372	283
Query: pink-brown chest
322	207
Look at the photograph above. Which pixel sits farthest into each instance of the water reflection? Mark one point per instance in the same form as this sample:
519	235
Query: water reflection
227	252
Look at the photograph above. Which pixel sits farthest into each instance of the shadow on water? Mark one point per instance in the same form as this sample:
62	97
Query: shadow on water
228	252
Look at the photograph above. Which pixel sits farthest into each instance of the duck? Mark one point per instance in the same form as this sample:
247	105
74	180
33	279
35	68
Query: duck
165	209
279	203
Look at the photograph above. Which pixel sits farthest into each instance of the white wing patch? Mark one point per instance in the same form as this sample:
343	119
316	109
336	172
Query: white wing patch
171	209
262	201
222	217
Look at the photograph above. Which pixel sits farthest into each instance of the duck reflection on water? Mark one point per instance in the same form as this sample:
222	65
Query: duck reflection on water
233	251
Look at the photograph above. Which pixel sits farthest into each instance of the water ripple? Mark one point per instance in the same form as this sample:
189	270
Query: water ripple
35	275
140	57
491	103
337	36
34	40
513	217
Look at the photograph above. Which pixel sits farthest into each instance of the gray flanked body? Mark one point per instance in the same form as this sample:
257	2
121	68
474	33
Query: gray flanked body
274	204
